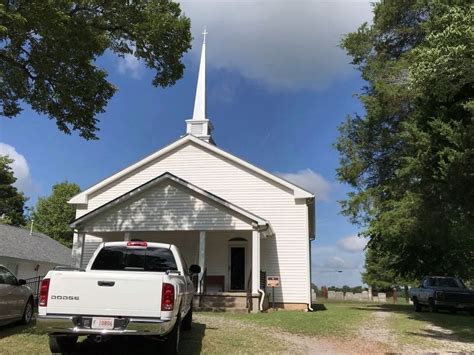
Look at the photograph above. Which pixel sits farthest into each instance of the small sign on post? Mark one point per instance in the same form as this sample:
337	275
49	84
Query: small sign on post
273	281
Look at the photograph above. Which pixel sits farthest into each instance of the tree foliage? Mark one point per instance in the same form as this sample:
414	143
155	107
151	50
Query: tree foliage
410	158
380	273
12	202
48	53
53	214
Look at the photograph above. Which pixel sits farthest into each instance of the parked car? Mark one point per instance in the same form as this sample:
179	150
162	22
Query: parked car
128	288
438	292
16	299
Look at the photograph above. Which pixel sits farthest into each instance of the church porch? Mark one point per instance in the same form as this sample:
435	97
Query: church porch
227	259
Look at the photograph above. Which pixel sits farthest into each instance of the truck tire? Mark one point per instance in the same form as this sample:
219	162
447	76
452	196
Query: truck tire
187	322
432	306
27	312
171	344
416	305
62	343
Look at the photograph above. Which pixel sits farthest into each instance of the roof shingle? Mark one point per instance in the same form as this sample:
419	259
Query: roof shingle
18	243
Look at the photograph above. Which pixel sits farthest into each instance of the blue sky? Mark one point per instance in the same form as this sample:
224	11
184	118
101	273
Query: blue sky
277	89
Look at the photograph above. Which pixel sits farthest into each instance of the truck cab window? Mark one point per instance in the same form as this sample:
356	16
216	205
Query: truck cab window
131	259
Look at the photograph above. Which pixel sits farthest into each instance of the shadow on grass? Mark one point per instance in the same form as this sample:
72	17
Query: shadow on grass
191	341
319	307
16	328
458	326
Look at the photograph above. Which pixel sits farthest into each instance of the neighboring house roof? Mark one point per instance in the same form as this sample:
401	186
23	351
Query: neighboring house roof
298	192
17	243
255	220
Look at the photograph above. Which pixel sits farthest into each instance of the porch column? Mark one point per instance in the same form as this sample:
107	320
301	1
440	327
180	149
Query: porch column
202	256
255	261
127	237
78	248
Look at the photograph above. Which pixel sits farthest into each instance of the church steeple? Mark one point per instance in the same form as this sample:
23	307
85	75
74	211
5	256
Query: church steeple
199	125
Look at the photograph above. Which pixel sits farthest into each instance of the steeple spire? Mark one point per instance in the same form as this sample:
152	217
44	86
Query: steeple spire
200	101
199	125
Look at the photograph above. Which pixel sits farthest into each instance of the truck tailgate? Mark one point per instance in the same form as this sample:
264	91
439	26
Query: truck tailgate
105	293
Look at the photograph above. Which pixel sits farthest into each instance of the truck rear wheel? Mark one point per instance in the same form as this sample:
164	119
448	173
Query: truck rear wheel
62	343
416	305
172	341
187	322
432	306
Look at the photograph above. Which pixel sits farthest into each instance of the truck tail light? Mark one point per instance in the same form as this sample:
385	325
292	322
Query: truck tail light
167	297
44	290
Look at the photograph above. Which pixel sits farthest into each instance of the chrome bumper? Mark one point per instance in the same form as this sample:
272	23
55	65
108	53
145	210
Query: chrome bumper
80	325
454	304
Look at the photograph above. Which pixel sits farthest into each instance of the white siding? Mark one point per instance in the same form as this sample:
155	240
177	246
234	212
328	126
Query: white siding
165	207
286	254
25	269
90	246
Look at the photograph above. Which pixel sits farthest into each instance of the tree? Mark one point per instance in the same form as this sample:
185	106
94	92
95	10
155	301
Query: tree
53	214
12	202
49	49
410	158
380	273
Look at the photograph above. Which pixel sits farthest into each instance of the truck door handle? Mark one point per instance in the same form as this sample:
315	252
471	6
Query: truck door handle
106	283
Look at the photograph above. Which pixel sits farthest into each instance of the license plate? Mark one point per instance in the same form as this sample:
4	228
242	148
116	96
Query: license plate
102	323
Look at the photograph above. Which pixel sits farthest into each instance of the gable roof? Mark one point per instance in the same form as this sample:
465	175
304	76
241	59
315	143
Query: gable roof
255	220
82	197
18	243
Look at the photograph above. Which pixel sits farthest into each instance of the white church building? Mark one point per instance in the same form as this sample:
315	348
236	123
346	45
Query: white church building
238	222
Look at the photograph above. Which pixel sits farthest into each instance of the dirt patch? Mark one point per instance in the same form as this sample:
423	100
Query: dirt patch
431	338
441	341
295	343
376	331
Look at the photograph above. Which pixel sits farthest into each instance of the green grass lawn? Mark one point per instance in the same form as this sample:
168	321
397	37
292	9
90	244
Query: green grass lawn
217	333
215	338
420	327
342	319
339	319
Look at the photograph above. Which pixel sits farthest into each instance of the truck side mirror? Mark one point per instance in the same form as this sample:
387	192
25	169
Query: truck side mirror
21	282
194	269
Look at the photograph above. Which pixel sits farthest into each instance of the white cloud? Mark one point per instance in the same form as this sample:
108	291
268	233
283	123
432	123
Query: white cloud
20	168
336	262
311	181
130	65
333	266
285	45
352	244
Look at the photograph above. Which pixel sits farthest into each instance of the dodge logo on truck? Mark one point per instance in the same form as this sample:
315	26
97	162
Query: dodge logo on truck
65	298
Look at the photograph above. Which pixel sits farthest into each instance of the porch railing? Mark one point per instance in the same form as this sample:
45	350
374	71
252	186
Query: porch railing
249	292
263	280
34	284
202	286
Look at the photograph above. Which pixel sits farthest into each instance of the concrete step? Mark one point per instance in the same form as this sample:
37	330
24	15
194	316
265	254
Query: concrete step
221	305
221	302
222	309
242	301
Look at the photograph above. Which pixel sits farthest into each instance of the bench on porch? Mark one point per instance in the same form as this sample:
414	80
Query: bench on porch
215	283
